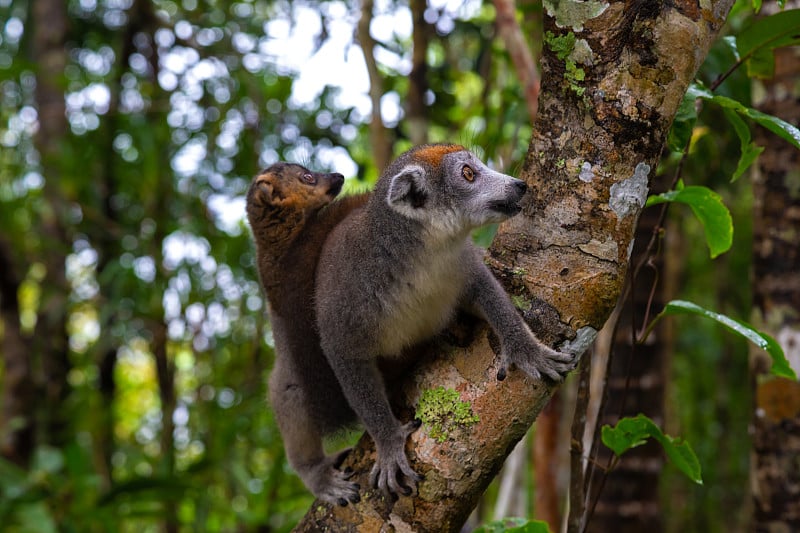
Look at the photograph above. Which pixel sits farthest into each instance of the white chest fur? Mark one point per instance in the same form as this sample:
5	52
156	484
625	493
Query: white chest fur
421	304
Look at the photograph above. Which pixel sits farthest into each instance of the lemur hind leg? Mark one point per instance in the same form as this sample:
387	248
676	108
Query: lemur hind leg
302	437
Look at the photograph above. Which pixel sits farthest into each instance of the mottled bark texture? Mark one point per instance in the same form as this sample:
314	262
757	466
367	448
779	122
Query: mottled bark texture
595	141
775	465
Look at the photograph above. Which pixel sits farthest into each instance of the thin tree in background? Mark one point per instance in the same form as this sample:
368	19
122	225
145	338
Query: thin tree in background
628	499
775	469
35	384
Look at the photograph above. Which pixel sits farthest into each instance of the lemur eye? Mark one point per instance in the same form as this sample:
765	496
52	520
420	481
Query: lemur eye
468	173
308	178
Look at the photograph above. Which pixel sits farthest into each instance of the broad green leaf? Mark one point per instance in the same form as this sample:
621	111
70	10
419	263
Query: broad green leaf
634	431
750	150
682	126
730	41
757	42
780	366
749	154
628	433
709	209
742	131
682	455
780	127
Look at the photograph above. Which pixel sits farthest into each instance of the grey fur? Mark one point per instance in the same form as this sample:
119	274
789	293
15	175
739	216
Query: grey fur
392	274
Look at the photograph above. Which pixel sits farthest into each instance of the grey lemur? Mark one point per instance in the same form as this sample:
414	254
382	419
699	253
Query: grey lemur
288	211
392	274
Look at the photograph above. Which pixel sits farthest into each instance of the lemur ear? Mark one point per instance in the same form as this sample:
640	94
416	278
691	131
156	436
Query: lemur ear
267	192
407	188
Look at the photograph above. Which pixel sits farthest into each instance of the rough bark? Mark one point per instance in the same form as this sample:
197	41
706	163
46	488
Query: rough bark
567	253
775	470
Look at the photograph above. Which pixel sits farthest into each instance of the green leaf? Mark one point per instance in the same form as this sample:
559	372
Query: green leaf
624	436
757	42
780	366
514	525
749	154
709	209
683	124
730	42
750	150
781	128
634	431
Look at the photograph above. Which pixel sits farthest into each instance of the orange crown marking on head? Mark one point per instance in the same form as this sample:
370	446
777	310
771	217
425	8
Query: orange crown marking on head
433	154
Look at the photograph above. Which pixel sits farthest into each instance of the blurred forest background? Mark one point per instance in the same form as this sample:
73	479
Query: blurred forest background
134	344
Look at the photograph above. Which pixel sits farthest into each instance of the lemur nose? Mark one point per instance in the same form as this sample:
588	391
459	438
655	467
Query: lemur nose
521	186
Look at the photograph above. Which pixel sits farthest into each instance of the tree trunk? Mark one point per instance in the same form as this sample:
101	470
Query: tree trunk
588	163
50	346
18	395
775	470
546	465
416	110
629	499
520	52
379	135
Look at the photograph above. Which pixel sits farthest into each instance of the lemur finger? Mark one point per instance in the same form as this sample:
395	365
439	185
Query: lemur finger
373	476
501	373
562	356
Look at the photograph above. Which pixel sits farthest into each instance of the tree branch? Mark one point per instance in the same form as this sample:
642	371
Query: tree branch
417	115
588	164
381	144
520	52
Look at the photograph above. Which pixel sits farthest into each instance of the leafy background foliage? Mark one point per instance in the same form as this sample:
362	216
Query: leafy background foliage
172	107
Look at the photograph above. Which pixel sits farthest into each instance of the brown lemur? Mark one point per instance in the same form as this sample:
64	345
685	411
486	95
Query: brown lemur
291	212
392	274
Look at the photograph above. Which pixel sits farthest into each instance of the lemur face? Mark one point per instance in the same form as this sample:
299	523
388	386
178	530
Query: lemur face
450	189
477	193
292	186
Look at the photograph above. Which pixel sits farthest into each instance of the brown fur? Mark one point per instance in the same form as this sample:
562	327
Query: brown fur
290	220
